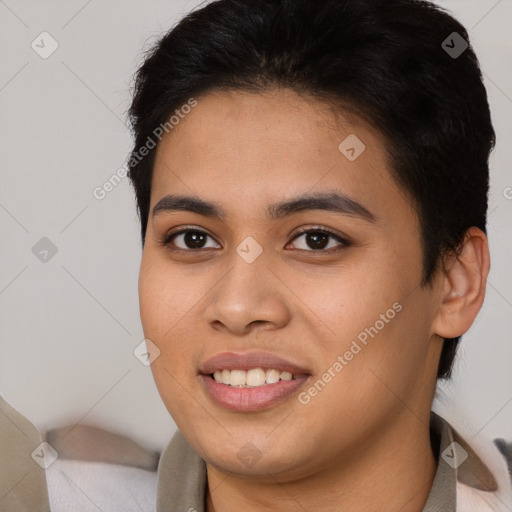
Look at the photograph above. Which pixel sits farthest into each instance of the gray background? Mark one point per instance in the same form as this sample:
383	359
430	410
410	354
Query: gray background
68	326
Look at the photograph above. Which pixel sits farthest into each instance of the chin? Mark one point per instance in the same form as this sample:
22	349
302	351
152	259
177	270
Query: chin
253	455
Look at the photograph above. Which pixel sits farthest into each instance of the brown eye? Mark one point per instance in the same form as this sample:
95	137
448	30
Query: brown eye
315	240
189	239
318	239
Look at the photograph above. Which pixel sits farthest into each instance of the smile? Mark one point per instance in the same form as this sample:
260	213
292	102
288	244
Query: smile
251	381
254	377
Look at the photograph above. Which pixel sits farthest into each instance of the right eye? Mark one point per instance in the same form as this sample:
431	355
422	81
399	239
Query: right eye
190	238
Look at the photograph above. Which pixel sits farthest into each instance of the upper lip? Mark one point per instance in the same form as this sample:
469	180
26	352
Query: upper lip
249	360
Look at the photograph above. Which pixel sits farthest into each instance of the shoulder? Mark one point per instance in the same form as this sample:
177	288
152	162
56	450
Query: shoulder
483	480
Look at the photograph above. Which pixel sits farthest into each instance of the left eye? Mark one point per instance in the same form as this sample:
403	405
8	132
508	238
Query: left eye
316	239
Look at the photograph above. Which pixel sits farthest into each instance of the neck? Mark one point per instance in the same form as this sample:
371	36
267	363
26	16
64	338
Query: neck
393	472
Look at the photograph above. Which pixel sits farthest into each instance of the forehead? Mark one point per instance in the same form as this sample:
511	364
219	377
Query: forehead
249	149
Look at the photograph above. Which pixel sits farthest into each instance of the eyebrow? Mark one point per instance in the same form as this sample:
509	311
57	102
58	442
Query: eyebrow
333	202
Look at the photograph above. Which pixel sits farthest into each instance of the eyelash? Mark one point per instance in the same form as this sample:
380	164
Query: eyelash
166	241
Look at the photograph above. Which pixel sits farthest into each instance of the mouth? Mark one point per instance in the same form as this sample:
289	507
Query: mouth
247	382
253	378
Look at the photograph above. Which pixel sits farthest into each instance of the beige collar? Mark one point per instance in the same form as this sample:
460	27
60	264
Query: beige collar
182	477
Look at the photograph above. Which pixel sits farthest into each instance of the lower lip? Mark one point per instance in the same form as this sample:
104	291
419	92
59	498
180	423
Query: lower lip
250	399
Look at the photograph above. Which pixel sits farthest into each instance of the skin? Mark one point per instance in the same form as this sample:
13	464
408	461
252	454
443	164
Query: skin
362	443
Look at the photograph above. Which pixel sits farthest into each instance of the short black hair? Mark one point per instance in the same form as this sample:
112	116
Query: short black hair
393	62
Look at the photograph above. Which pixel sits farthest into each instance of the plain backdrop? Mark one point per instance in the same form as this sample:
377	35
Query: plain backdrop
69	325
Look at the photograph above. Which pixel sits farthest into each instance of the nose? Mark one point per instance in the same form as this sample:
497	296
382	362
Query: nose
250	296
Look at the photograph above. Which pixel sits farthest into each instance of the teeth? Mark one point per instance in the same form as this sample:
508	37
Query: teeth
272	376
238	377
251	378
254	377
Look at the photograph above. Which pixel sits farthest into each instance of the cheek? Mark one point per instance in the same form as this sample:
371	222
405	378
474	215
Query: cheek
160	303
162	313
354	301
166	311
374	324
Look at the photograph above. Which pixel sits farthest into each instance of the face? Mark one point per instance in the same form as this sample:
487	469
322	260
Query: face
269	283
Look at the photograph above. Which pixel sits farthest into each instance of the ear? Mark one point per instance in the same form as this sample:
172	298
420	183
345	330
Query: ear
463	286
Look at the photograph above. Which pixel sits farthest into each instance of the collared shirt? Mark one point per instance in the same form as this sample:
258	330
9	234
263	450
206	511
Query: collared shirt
68	485
182	479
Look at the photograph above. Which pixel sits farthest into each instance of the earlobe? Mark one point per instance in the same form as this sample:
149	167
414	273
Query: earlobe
464	282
